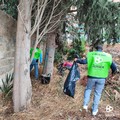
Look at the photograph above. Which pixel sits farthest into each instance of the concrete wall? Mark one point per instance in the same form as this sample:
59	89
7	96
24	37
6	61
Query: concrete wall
7	44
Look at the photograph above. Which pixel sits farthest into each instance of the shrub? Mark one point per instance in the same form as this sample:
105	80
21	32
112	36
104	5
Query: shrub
7	86
71	54
58	57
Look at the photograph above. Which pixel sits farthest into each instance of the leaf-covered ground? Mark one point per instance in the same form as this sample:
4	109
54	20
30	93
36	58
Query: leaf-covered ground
50	103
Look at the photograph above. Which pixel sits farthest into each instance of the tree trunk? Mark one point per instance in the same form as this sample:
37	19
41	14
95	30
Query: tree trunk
22	89
49	55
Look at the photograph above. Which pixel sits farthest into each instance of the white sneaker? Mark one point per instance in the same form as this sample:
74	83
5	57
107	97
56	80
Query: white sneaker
95	113
85	107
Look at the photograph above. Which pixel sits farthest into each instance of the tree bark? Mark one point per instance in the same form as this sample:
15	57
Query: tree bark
49	55
22	90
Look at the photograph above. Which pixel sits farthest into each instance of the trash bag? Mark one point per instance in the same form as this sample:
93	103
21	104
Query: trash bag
70	82
45	79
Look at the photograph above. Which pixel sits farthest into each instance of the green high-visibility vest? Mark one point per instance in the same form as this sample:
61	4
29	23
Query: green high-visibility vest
98	64
36	54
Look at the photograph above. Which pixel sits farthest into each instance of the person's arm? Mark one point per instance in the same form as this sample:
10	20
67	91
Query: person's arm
113	68
41	57
82	61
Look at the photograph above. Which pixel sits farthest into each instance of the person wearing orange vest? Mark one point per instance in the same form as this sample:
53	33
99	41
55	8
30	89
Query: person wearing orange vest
98	65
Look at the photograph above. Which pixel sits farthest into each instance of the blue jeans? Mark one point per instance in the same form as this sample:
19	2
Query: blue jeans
35	65
98	85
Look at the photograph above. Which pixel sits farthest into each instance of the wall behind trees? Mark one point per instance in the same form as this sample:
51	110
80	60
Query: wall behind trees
7	44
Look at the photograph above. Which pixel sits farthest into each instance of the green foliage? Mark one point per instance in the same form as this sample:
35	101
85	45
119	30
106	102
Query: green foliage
78	48
10	7
77	35
7	86
61	51
79	45
83	46
58	57
101	19
71	53
65	50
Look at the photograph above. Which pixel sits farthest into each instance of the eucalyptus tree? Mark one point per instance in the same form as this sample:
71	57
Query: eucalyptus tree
22	89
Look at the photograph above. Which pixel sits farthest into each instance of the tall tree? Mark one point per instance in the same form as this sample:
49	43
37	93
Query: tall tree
49	55
22	89
101	19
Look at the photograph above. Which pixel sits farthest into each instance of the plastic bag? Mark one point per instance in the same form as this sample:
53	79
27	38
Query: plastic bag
70	82
45	79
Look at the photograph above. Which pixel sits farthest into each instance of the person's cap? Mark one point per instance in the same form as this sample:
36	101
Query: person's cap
99	47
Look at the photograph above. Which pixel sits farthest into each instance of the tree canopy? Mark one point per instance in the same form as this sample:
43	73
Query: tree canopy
101	19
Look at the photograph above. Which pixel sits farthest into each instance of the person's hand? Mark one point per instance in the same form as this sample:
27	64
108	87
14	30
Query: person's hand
75	59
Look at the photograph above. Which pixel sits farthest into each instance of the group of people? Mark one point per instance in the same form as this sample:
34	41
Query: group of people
98	65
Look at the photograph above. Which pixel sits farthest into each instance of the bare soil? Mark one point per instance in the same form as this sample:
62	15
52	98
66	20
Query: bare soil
50	103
